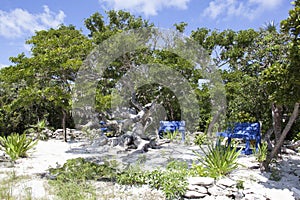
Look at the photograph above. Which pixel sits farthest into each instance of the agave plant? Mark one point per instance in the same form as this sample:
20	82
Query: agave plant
16	145
219	160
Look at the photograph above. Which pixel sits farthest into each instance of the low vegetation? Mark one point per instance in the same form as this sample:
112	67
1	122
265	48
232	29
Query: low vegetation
201	139
16	146
262	152
219	160
8	185
172	180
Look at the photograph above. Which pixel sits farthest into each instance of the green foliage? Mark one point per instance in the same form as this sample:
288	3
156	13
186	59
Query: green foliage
40	85
261	154
201	139
240	184
38	128
73	190
177	165
275	175
172	135
198	170
16	145
88	170
132	175
172	181
71	180
9	184
297	137
219	160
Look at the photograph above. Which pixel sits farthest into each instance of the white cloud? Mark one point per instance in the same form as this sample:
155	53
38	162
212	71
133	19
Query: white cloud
19	22
148	7
249	9
3	65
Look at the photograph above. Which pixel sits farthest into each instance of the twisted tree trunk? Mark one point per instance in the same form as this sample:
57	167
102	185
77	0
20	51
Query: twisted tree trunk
280	141
277	123
64	124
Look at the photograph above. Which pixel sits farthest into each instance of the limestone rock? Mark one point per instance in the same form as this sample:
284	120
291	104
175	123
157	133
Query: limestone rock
197	188
204	181
209	198
222	198
101	141
296	193
217	191
280	194
253	197
226	182
194	194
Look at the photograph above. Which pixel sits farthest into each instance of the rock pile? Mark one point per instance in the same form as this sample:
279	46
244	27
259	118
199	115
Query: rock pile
208	188
72	134
226	188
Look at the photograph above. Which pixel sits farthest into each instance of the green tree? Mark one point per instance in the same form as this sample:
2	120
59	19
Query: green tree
119	21
290	84
43	82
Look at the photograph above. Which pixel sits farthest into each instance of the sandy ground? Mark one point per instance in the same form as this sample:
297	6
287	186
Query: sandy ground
50	153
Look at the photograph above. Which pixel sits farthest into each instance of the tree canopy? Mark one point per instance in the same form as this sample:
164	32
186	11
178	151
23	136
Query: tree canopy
259	68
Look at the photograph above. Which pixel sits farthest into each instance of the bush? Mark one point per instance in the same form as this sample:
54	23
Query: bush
38	130
172	135
172	181
16	145
197	170
88	170
261	154
219	160
200	139
132	175
71	180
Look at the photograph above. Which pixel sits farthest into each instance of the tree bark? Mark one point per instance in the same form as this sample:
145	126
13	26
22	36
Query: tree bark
64	124
277	123
268	140
213	122
279	144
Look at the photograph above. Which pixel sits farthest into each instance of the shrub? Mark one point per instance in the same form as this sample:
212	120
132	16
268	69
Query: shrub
16	145
88	170
37	130
172	181
197	170
219	160
177	165
200	139
261	154
132	175
71	180
172	135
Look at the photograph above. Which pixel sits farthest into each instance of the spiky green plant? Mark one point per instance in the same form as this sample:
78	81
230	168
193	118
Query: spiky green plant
172	135
219	160
261	154
16	146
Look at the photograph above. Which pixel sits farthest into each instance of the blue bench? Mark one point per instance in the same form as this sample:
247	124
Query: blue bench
247	131
172	126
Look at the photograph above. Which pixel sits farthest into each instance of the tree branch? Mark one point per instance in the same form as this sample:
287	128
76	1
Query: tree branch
279	144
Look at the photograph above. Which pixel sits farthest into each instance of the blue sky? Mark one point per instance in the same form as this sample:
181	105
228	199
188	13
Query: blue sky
19	19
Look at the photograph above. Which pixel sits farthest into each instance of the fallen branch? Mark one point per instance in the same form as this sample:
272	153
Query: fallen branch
294	146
